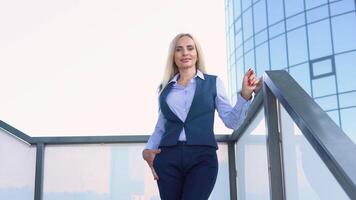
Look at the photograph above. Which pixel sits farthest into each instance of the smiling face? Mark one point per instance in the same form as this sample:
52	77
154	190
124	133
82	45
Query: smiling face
185	53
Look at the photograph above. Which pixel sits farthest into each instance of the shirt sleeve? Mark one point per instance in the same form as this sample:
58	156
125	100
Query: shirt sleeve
232	117
155	138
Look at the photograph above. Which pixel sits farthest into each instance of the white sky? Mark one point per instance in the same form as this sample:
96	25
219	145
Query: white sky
91	67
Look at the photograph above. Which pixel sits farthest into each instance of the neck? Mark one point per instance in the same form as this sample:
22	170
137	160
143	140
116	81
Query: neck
187	74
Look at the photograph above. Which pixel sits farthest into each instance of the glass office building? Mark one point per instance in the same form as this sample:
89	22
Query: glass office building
315	41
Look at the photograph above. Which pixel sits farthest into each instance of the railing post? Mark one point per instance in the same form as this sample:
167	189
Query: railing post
39	172
232	170
274	146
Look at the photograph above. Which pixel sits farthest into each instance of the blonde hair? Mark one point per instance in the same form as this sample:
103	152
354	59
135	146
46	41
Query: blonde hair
171	68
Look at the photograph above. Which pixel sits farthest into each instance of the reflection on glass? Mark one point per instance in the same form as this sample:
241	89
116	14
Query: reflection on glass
306	176
17	168
302	75
346	71
344	31
251	156
247	24
294	7
260	17
317	14
109	171
342	7
319	39
324	86
278	53
297	46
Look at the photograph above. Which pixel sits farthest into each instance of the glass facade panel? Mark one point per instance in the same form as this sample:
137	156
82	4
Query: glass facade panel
347	99
327	103
249	60
248	45
260	17
237	9
262	61
348	117
245	4
261	37
17	168
340	7
278	53
234	81
109	171
238	25
322	67
324	86
319	13
346	71
294	7
252	166
239	52
301	74
238	39
275	11
297	46
276	29
247	24
306	175
295	21
344	31
319	39
314	3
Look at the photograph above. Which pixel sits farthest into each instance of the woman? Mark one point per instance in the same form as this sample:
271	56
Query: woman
182	150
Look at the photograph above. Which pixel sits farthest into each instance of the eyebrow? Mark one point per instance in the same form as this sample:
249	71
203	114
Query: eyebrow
189	45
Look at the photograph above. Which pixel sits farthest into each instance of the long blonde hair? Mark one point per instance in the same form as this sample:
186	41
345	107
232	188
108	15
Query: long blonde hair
171	68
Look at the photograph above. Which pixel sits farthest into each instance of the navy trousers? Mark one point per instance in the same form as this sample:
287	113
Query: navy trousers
186	172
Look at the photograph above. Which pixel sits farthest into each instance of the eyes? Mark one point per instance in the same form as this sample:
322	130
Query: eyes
189	48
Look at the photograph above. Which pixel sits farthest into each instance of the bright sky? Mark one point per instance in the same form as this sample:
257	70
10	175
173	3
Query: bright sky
91	67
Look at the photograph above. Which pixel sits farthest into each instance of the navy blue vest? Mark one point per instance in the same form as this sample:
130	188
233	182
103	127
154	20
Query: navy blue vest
199	123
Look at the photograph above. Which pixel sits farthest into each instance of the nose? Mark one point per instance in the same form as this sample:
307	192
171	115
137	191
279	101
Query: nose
185	51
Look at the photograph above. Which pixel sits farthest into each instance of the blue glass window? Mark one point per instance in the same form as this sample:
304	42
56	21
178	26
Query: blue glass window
344	32
314	3
232	39
295	21
342	7
247	24
239	52
278	53
261	37
239	73
317	14
245	4
275	11
294	7
238	25
262	62
322	67
319	39
297	46
348	117
238	39
327	103
237	9
324	86
231	14
347	99
249	60
233	80
301	74
260	17
248	45
346	71
276	29
334	115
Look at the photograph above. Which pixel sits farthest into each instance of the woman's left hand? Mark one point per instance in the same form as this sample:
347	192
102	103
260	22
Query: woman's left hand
250	84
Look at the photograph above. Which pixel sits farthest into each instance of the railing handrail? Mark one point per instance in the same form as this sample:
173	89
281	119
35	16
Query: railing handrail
333	146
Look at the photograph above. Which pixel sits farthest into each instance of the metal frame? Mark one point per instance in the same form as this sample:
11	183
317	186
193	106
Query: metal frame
332	145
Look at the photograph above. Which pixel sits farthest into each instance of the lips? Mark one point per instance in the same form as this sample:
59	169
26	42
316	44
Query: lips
185	60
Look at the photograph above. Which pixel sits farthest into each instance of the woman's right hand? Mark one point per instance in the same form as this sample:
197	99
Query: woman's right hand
149	155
